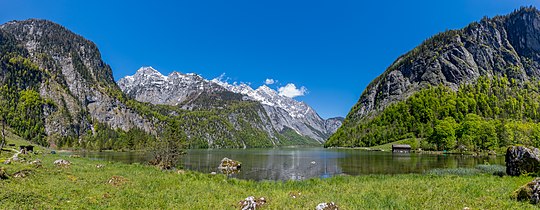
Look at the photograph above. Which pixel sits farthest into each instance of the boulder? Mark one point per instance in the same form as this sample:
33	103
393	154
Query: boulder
327	206
250	203
227	163
522	160
62	162
529	192
229	166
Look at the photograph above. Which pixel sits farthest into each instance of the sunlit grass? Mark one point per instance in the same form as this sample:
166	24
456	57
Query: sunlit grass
83	185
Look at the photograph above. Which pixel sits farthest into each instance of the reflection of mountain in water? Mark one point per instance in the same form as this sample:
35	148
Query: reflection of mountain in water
298	165
269	164
387	163
304	163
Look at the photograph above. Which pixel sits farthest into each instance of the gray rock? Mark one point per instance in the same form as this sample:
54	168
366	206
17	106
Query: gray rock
229	166
522	160
327	206
251	203
37	163
529	192
61	162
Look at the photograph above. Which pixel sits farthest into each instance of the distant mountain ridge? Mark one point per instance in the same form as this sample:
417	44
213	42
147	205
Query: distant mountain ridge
148	85
287	112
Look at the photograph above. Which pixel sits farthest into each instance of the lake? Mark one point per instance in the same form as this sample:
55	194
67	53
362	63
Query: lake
304	163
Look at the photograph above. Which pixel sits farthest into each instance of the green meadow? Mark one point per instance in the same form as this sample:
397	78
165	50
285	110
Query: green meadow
137	186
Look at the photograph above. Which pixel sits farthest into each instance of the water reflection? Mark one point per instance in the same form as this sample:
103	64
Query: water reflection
304	163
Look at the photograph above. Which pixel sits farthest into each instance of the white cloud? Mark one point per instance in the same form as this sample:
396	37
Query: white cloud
291	91
270	81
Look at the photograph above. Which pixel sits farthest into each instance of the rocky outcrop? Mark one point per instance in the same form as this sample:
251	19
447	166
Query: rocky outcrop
503	45
522	160
529	192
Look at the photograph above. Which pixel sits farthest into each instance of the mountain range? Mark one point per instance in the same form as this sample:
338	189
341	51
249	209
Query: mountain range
57	91
185	91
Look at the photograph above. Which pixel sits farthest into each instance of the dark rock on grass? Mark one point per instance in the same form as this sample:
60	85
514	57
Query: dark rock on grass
250	203
327	206
3	174
522	160
529	192
22	173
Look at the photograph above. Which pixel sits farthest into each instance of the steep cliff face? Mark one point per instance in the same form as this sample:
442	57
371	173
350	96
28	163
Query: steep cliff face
75	79
503	45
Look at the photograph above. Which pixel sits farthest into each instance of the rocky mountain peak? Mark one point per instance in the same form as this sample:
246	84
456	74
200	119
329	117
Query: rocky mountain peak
147	70
504	45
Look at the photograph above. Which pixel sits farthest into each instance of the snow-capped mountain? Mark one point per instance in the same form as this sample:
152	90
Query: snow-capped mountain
149	85
286	112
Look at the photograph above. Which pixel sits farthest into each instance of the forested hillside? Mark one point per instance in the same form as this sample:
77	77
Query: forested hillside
489	114
473	88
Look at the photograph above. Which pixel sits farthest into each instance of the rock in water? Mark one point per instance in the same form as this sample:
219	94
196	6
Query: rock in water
227	163
530	192
520	160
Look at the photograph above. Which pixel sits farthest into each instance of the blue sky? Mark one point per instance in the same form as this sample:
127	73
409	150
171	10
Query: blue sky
332	48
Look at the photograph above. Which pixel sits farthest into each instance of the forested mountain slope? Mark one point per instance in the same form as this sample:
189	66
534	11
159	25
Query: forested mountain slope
494	66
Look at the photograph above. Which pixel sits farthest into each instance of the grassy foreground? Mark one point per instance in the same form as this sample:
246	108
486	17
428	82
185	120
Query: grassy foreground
83	185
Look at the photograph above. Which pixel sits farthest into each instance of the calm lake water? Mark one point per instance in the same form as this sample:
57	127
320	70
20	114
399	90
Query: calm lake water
303	163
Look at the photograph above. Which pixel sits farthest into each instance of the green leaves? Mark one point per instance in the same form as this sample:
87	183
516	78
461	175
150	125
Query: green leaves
444	133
